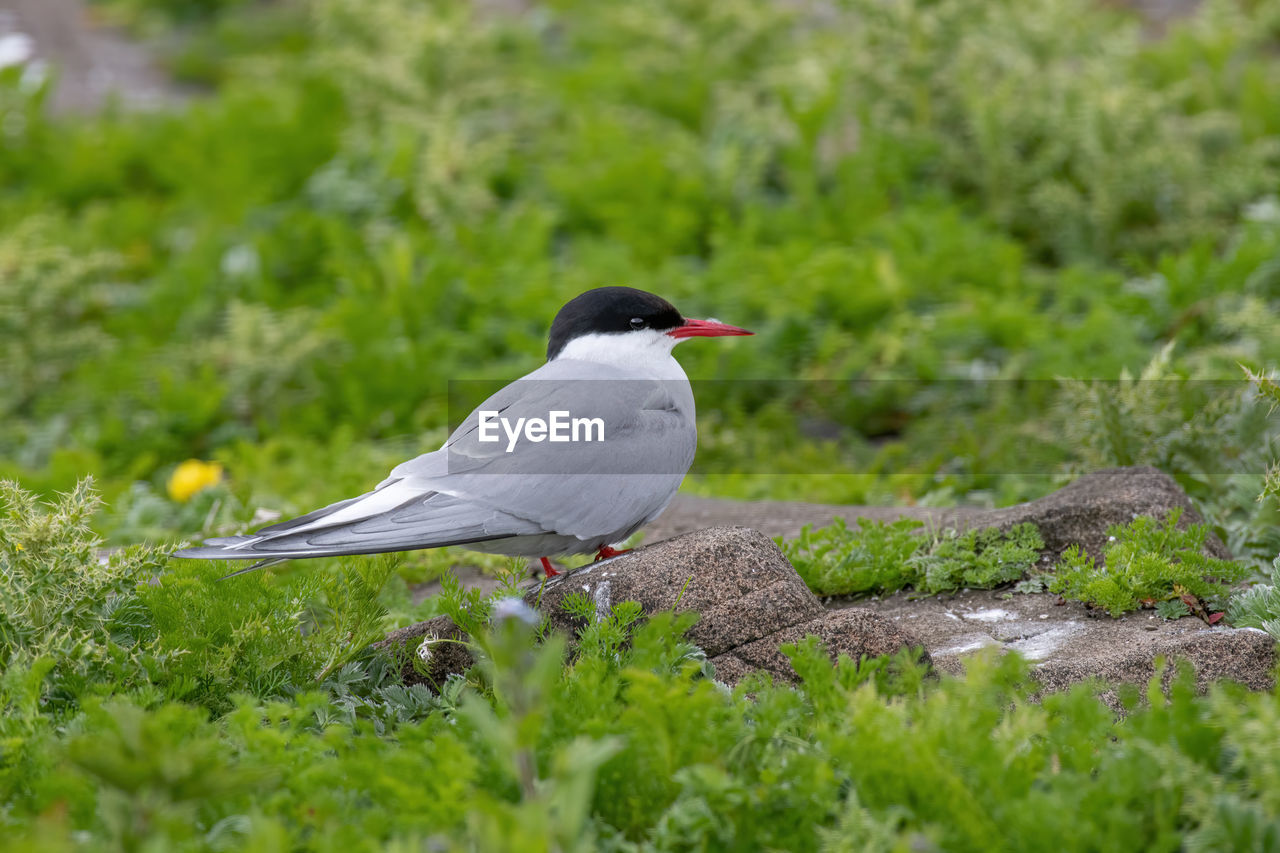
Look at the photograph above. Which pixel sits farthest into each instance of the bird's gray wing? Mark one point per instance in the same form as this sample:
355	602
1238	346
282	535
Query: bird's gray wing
580	488
397	516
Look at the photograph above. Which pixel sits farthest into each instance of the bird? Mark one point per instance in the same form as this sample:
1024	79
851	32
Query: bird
610	370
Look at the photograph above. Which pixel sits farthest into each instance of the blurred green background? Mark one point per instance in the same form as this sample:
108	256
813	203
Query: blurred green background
1011	239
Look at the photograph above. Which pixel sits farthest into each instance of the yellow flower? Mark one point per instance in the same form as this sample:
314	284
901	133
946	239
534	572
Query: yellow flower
192	476
19	546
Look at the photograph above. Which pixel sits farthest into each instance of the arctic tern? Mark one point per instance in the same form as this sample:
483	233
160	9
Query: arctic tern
543	488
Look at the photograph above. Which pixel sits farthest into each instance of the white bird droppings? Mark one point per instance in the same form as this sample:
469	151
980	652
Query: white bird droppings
994	614
602	602
1041	646
968	643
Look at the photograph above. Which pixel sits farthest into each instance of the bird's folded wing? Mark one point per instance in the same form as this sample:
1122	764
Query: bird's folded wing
580	488
397	516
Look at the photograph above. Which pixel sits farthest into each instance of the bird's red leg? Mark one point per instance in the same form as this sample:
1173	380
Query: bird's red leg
606	552
546	567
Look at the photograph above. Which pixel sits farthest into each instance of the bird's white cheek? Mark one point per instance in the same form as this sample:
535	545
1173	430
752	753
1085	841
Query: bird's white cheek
628	348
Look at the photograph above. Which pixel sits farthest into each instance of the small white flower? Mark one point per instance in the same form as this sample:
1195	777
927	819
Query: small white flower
515	608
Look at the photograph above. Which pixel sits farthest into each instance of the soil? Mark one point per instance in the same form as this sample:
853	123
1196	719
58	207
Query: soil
93	64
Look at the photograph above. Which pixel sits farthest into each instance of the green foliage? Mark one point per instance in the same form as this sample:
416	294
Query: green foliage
145	514
1035	583
1269	499
155	771
52	302
883	558
1258	606
1214	437
253	634
1174	608
469	608
1267	386
978	559
64	609
109	622
835	560
1009	99
628	745
1145	560
1000	224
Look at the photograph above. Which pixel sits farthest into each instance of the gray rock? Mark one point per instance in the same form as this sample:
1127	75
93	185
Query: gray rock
736	578
1067	643
749	597
433	650
1076	514
751	600
854	632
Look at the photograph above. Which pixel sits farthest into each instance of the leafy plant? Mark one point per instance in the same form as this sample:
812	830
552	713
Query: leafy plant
980	559
1010	226
975	197
885	557
1258	606
1173	608
836	560
1006	97
52	305
1145	561
62	606
1033	584
1213	436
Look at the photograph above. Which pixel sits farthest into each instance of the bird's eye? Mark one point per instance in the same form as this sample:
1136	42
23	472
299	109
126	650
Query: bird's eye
637	323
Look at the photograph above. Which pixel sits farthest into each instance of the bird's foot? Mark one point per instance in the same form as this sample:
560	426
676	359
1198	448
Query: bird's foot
606	552
546	567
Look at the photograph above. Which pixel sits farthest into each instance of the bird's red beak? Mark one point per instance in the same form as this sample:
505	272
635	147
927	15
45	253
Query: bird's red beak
705	329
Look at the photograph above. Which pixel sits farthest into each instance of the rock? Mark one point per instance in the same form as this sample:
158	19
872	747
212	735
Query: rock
1244	655
434	650
1076	514
855	632
750	599
1079	514
1068	643
735	577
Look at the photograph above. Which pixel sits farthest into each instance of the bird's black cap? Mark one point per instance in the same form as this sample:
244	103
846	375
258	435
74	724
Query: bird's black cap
610	309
